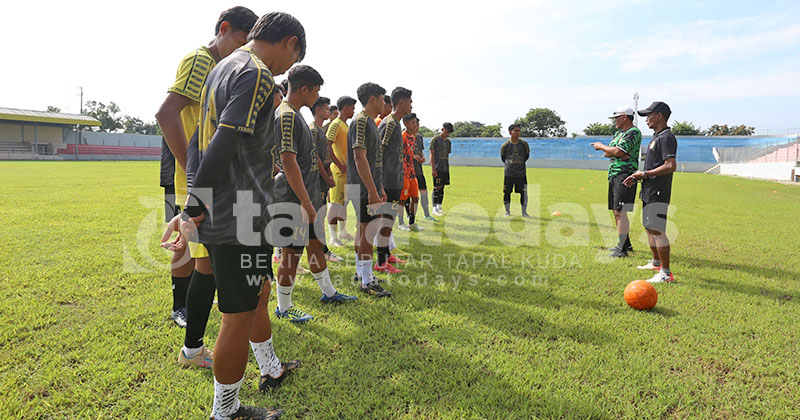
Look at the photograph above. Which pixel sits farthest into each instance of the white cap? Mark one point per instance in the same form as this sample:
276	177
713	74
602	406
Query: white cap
623	110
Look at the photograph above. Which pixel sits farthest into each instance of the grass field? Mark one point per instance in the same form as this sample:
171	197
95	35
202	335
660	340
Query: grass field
511	321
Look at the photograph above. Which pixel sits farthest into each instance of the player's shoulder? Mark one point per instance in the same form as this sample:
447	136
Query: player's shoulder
200	57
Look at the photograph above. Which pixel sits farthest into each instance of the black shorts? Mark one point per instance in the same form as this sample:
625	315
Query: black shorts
442	179
621	197
170	208
296	235
654	216
423	185
517	184
241	274
392	195
364	214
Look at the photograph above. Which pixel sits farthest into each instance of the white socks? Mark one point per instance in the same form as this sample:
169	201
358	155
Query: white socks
334	233
364	269
191	353
323	279
226	399
284	297
342	227
392	246
268	362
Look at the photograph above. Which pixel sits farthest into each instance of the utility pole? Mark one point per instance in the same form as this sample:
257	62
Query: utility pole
80	131
636	108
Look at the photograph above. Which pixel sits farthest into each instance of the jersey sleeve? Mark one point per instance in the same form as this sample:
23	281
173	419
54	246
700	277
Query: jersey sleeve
503	152
360	139
249	93
333	128
628	142
387	133
669	147
191	77
288	133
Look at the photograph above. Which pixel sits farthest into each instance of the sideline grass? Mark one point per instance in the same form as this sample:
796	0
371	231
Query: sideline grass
86	296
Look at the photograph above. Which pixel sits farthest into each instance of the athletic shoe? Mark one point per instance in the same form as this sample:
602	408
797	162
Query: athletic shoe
618	253
629	248
373	289
246	412
399	251
335	242
294	315
415	228
269	383
649	266
276	259
507	214
404	228
204	359
345	236
374	278
179	317
386	268
526	215
330	256
337	298
394	260
431	218
437	211
302	270
661	277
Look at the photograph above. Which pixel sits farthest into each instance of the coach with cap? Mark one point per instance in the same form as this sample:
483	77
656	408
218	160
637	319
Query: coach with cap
659	165
623	150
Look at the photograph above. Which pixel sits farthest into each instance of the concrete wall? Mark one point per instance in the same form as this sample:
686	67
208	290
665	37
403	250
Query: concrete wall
12	133
119	139
780	171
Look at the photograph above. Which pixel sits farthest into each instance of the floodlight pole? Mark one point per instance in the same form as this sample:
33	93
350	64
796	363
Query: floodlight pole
636	108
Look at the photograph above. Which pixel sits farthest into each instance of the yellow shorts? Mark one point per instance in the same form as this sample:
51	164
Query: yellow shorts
197	250
337	194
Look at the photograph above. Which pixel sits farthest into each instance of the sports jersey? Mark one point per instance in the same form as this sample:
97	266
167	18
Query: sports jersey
409	164
441	153
321	142
296	138
189	81
363	134
629	141
337	133
391	137
419	147
514	157
238	96
663	146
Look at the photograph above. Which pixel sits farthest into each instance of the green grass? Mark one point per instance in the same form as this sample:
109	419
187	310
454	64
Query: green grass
86	297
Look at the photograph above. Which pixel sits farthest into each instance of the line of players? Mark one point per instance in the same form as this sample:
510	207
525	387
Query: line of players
248	167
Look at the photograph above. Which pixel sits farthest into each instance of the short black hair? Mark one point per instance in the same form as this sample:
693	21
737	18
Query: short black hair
276	26
283	86
387	100
368	90
320	102
513	126
240	18
447	126
630	117
409	117
333	107
345	101
303	75
400	93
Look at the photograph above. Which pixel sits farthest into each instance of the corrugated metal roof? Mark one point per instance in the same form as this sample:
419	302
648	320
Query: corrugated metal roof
26	115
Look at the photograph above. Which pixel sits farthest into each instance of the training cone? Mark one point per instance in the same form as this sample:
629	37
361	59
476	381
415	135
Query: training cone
556	213
641	295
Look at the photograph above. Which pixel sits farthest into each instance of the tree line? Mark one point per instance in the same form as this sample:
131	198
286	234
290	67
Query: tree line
112	120
679	128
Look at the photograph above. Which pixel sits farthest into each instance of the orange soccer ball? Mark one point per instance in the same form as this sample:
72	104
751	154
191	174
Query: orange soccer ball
641	295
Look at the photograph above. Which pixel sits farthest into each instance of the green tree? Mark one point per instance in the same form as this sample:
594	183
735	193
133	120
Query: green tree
724	130
426	132
137	126
467	128
108	115
542	122
51	108
686	128
600	129
491	131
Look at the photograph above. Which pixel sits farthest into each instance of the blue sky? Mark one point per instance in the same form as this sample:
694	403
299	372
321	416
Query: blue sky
713	61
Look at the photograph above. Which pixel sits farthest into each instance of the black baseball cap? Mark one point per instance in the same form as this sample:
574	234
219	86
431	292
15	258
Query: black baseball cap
447	126
660	107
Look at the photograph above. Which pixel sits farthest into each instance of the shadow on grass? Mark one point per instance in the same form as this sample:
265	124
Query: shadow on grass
753	270
778	295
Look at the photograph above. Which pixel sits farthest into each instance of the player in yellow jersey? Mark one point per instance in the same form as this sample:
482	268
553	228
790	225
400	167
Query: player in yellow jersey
337	144
193	292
